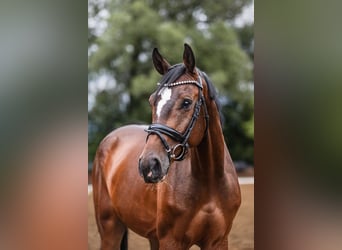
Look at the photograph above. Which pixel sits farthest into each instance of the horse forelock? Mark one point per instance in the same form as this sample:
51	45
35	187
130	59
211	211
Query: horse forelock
172	75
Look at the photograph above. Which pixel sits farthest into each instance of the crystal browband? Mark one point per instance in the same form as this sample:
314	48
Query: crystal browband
173	84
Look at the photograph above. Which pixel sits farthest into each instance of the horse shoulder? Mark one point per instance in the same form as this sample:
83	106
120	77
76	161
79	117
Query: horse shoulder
133	200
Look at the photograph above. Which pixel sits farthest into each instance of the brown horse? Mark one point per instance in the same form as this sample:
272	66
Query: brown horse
176	184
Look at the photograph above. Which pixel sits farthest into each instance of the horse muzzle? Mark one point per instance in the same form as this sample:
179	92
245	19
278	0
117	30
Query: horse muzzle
150	168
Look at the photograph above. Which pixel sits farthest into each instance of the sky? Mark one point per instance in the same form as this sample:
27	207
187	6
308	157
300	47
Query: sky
246	16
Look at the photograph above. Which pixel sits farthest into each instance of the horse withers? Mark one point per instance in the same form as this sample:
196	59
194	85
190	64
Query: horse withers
173	181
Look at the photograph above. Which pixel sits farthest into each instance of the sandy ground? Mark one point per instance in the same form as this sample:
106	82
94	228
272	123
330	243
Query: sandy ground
241	236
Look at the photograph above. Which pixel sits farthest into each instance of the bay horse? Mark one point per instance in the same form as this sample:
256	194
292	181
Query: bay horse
172	182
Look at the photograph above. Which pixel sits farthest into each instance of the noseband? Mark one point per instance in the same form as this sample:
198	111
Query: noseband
182	138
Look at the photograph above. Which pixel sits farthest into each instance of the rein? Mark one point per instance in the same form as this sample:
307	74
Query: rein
182	138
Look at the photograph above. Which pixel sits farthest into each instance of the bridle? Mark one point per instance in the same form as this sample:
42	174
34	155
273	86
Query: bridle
182	138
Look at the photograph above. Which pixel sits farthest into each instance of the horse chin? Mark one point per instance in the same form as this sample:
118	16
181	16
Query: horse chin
151	179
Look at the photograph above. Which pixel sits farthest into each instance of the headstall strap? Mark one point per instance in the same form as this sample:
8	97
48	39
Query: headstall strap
160	129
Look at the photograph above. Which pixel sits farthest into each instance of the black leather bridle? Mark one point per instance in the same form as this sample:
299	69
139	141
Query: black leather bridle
182	138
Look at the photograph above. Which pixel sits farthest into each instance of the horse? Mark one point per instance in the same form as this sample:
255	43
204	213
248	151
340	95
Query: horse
172	182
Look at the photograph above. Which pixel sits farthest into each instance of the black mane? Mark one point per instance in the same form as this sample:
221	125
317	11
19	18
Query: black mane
213	95
177	70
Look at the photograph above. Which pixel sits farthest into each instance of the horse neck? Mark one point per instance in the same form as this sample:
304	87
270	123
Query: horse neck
207	159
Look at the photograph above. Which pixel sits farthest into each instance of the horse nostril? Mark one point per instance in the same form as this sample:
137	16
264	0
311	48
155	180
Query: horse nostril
155	166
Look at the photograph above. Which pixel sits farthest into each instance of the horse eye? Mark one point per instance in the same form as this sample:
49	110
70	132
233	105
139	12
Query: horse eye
186	103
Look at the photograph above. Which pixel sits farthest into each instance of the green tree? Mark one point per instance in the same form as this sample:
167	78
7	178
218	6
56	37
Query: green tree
123	51
246	37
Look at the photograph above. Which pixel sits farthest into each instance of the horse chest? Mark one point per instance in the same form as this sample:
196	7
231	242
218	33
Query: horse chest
194	224
209	219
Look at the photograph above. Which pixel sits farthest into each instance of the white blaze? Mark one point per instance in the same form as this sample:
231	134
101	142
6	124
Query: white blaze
165	94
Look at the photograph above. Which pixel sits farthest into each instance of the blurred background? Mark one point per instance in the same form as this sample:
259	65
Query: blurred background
44	114
121	76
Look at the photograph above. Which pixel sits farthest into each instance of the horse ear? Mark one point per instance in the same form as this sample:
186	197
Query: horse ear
161	65
189	58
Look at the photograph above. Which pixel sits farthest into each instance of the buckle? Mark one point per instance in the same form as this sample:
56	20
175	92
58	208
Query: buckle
178	156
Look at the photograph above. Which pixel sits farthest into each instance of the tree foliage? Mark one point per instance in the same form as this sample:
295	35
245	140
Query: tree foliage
123	51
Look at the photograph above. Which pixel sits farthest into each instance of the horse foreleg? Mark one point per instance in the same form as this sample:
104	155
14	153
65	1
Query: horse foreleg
154	244
172	244
223	245
112	231
113	235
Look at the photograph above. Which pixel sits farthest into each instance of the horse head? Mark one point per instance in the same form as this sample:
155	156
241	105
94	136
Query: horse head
179	116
